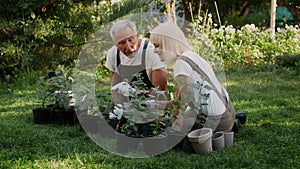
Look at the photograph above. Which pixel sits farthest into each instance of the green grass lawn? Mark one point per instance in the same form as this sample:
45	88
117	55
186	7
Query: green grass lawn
270	139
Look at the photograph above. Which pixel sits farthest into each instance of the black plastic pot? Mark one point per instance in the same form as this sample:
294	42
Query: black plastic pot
242	117
42	115
145	129
65	116
53	114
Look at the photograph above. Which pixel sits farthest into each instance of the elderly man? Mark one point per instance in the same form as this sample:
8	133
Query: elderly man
132	59
132	55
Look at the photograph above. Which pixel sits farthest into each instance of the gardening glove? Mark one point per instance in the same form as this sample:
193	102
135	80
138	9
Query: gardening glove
112	116
148	103
117	113
154	104
123	88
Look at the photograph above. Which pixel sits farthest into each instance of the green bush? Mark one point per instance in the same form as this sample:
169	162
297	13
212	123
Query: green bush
253	46
289	61
41	35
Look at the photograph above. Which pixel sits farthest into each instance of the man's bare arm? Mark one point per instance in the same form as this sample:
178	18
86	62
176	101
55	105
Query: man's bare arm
112	76
160	78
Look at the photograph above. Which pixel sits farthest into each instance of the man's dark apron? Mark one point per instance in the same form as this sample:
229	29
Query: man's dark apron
128	72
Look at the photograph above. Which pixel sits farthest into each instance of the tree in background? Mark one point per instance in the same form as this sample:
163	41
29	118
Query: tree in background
39	35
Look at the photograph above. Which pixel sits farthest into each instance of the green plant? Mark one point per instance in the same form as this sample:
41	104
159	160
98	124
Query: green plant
193	103
57	89
289	61
162	122
140	111
203	92
53	31
82	86
252	46
42	92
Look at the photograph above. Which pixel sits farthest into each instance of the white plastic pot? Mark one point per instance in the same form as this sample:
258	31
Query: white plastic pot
201	140
218	141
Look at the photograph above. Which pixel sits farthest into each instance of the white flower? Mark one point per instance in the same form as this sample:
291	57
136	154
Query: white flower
230	29
280	30
239	33
214	31
295	39
250	28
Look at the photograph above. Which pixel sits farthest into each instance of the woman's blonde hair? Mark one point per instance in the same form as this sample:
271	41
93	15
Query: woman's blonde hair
171	37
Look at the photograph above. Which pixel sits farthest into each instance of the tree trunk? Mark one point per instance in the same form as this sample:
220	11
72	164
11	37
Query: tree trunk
273	17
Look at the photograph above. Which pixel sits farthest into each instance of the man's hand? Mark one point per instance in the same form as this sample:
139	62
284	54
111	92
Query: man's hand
123	88
117	113
148	103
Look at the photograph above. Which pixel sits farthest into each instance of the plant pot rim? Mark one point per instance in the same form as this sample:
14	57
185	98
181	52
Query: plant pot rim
40	108
217	135
207	131
198	136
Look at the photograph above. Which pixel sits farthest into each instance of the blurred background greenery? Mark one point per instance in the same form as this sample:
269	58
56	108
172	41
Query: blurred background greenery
40	35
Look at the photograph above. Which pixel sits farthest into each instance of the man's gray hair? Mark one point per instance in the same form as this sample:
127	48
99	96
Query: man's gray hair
121	24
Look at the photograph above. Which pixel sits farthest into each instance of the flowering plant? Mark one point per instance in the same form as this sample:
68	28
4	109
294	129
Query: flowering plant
246	46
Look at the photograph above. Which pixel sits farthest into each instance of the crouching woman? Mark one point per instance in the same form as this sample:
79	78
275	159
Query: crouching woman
203	101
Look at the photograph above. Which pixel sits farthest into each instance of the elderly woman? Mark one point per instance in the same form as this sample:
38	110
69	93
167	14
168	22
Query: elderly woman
201	96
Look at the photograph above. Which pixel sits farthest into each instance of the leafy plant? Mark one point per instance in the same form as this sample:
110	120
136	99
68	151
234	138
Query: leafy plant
203	92
57	89
195	101
287	60
140	111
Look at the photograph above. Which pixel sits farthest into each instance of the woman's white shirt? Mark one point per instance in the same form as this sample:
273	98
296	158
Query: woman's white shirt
215	105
